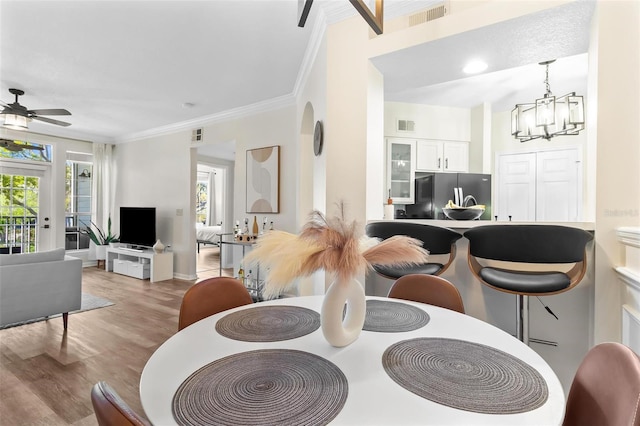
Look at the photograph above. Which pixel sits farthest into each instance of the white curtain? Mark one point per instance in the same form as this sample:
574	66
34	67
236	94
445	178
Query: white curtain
211	200
103	183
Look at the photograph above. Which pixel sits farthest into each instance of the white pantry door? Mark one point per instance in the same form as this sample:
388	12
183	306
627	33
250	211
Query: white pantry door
516	198
543	186
559	191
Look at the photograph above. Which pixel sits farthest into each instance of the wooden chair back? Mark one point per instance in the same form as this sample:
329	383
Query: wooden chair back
111	410
606	388
429	289
210	296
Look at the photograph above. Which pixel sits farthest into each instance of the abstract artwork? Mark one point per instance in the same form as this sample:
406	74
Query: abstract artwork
263	180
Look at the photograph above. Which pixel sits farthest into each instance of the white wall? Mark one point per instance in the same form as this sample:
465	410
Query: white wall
432	122
155	173
618	152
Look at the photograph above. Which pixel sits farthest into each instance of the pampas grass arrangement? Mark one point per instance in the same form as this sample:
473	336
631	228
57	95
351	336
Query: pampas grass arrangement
333	244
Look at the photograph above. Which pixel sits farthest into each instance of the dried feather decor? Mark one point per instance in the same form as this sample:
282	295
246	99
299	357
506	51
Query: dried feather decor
333	244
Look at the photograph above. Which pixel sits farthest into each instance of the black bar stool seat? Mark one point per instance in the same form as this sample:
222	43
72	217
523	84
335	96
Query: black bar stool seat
436	239
397	272
525	282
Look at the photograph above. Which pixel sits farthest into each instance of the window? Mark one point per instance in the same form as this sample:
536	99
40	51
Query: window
78	187
202	196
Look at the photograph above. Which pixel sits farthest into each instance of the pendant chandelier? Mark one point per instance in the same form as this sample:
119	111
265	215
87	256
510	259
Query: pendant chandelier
549	116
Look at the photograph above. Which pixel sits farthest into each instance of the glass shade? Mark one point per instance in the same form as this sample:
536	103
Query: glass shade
15	122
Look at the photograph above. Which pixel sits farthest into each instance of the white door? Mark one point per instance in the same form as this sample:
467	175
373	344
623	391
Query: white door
558	186
26	216
516	176
543	186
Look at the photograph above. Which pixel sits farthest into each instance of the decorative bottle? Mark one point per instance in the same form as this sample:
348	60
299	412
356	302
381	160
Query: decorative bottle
255	225
246	226
241	273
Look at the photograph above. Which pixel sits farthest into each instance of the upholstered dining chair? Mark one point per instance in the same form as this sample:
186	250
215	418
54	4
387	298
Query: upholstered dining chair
111	410
211	296
606	388
436	239
429	289
528	260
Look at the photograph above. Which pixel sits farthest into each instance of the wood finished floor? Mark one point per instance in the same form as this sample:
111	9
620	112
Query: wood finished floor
46	375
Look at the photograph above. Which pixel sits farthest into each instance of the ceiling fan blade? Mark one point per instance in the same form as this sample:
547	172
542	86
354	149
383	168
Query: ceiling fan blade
51	121
58	111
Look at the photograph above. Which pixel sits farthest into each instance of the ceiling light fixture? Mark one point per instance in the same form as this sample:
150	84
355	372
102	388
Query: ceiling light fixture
475	67
15	122
548	116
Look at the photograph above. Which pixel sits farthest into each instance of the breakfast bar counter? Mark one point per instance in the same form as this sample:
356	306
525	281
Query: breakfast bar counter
467	224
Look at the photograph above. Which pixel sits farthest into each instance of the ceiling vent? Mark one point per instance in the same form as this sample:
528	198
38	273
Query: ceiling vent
406	126
429	14
196	135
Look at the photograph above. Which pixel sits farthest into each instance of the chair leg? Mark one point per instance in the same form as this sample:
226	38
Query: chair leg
522	318
65	319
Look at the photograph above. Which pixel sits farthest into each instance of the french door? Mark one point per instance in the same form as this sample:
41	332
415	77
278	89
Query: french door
25	200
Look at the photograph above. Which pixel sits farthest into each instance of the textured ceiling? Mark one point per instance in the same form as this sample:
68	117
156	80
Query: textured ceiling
125	67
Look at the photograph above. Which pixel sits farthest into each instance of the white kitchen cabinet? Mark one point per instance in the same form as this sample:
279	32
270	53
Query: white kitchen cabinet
442	156
401	154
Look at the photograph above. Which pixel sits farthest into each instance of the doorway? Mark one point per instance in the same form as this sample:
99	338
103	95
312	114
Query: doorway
25	225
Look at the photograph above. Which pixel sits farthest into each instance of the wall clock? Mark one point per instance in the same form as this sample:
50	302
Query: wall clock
317	138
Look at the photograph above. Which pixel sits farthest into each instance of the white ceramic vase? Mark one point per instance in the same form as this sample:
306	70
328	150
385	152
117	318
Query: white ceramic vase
158	247
341	332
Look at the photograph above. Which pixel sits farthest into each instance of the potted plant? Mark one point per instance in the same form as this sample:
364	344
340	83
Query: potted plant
100	239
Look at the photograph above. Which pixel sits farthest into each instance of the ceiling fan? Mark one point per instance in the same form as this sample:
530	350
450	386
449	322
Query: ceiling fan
17	116
12	145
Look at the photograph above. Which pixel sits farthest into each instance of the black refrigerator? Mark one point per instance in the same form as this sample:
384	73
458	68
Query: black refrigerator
434	190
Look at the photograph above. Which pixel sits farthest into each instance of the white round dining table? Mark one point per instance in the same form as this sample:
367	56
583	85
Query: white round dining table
374	398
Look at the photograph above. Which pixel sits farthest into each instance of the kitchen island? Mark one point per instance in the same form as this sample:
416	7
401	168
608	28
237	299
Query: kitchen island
574	308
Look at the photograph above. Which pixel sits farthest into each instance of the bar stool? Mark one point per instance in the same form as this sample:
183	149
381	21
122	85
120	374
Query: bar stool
519	245
436	239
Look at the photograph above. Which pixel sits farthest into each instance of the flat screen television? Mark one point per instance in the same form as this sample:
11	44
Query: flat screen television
138	226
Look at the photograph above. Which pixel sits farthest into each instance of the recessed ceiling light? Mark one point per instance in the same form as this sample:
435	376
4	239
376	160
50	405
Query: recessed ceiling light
475	67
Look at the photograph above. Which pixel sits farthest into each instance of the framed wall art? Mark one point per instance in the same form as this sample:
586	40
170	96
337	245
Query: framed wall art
263	180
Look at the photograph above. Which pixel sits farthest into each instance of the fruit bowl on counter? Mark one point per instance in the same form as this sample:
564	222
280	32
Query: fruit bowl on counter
455	212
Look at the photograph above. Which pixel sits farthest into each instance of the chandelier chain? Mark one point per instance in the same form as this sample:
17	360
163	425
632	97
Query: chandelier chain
546	81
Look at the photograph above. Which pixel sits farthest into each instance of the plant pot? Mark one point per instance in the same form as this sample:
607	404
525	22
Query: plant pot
341	332
101	252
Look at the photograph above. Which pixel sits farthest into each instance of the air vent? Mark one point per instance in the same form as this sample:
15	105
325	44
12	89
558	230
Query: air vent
406	126
428	15
196	135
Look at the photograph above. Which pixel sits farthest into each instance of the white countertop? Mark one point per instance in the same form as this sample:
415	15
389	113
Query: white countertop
467	224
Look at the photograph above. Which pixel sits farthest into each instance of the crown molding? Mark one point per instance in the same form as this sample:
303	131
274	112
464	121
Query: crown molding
244	111
310	54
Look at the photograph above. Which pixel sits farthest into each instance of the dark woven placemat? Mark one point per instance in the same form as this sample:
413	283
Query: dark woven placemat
262	387
269	323
393	317
465	375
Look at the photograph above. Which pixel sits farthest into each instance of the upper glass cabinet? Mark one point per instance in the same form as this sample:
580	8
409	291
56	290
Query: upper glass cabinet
401	155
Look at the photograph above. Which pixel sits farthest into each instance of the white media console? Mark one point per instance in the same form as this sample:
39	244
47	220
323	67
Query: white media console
142	264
